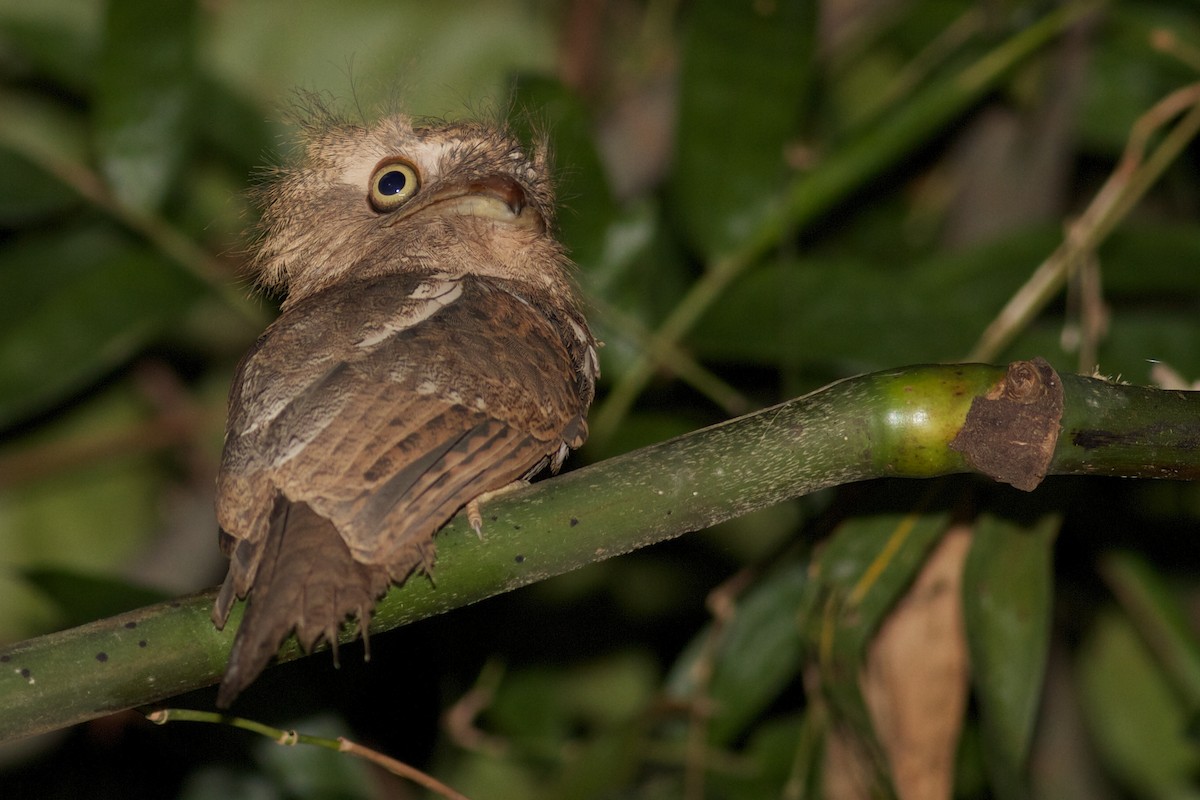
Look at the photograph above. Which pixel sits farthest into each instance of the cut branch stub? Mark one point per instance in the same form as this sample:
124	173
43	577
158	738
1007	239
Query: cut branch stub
1010	432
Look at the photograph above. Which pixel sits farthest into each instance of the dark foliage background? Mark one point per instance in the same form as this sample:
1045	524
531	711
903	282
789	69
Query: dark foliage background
762	197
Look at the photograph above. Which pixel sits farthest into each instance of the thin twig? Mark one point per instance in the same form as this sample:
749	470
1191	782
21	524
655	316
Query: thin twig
1085	300
703	293
917	70
671	356
400	768
722	605
1165	40
291	738
459	720
813	193
1129	182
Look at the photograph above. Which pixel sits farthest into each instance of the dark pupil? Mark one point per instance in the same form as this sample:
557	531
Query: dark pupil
392	182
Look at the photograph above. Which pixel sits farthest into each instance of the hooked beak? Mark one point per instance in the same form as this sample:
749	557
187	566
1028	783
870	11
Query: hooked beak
496	197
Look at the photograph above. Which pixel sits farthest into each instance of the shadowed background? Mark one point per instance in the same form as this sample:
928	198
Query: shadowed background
791	192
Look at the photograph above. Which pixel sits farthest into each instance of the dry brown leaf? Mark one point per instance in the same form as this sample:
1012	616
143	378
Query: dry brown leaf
915	684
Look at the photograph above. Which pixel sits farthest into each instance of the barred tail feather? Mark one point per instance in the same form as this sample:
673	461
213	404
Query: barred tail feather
307	581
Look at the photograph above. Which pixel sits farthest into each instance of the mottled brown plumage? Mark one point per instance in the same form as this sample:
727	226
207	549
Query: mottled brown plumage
430	349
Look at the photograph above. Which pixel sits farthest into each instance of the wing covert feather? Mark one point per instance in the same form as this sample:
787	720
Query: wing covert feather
409	409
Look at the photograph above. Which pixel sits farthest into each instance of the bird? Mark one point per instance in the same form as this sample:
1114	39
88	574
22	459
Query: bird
431	348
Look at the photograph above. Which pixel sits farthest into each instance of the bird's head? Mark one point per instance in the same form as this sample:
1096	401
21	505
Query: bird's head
403	196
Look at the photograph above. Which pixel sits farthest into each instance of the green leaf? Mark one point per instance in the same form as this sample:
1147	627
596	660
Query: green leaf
479	774
144	97
778	753
62	53
1134	719
586	207
27	193
233	125
601	766
1161	622
850	316
539	711
759	653
35	129
746	68
1147	257
549	704
1008	585
861	572
73	305
1128	74
620	251
911	124
49	540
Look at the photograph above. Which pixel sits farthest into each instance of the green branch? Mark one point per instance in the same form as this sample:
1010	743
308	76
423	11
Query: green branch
913	422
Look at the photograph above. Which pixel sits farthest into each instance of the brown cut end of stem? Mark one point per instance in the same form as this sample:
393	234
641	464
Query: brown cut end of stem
1010	432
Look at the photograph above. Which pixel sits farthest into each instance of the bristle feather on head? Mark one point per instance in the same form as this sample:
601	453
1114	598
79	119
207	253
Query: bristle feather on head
318	227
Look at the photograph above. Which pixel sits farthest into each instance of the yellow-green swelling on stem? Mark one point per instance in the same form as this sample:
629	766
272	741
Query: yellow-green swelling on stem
920	411
895	423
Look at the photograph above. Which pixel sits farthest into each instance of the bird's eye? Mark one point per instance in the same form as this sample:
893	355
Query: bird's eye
393	183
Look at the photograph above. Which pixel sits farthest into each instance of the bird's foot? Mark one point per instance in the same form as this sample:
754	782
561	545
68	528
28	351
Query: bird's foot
475	516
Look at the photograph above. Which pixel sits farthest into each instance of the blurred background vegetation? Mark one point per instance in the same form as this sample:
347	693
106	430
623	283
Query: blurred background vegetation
762	197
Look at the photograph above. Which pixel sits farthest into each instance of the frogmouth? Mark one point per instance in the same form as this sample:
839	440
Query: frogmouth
430	348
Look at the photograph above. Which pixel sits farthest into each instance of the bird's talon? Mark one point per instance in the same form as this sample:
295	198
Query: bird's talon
475	517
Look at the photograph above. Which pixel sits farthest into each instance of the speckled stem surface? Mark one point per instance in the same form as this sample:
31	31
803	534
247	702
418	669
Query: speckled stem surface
895	423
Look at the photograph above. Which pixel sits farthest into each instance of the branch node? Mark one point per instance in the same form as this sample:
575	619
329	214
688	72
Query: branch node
1010	432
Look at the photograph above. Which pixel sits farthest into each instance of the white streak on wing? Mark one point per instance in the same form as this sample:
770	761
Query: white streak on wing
429	297
438	284
295	445
436	293
265	413
300	439
593	361
269	397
